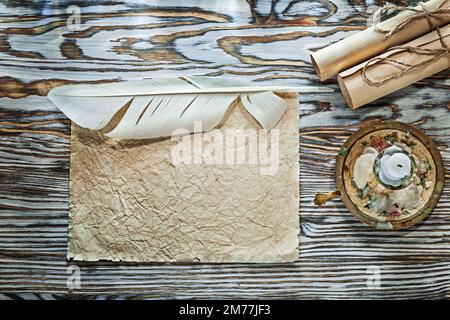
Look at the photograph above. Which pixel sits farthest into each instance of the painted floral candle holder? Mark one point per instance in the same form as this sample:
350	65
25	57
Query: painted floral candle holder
390	175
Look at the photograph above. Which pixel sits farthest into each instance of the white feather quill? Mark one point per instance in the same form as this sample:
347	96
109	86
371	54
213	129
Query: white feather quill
154	108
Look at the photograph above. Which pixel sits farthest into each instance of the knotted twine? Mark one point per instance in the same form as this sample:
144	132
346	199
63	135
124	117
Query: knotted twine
421	13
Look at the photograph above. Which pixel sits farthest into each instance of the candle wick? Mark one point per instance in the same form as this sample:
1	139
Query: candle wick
400	166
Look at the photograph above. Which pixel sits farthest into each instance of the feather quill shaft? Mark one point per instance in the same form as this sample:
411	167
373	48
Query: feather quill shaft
154	108
202	91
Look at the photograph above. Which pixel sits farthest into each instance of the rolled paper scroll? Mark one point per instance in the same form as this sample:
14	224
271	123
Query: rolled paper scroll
370	42
397	68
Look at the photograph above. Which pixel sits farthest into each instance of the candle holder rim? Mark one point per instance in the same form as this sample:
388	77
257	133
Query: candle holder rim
400	223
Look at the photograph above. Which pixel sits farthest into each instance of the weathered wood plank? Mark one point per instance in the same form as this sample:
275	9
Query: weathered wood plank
263	41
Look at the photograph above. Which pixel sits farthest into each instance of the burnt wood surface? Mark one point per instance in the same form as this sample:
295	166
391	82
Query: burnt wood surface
265	41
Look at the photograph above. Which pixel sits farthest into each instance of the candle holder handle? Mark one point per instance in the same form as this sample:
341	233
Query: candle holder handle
321	198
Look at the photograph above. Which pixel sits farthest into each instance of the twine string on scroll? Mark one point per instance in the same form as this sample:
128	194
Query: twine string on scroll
435	53
422	13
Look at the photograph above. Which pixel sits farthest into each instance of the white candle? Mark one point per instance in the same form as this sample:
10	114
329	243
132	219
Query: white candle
397	166
394	168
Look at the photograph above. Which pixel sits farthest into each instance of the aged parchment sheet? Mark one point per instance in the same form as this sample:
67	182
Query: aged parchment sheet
130	201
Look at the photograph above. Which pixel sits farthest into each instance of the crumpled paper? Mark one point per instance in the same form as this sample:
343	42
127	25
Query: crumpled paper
130	201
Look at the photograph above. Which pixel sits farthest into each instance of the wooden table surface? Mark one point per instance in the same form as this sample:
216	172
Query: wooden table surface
266	41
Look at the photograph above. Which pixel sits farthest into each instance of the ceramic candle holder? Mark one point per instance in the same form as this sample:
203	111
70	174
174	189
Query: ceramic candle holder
390	175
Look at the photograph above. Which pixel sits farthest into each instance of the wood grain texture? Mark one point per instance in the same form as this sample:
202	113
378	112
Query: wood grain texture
265	41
